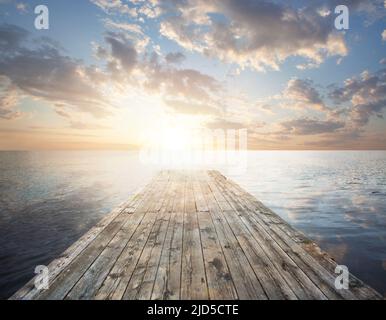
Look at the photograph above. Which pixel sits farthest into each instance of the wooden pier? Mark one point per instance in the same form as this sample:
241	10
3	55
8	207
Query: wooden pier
194	235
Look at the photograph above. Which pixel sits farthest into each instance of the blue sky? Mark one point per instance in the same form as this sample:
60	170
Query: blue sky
279	69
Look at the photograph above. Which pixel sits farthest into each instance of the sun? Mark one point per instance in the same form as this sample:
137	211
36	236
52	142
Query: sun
176	138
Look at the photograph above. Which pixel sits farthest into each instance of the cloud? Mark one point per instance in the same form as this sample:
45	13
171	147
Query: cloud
256	34
11	37
382	61
185	90
303	92
147	71
361	113
9	98
149	9
225	124
22	7
175	57
138	9
123	53
128	33
76	120
184	107
115	7
45	73
81	125
188	84
366	94
306	126
129	27
384	35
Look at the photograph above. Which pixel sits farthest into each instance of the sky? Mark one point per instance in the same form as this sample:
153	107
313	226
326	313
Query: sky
111	74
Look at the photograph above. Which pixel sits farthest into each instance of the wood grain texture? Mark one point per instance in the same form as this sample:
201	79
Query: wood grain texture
194	235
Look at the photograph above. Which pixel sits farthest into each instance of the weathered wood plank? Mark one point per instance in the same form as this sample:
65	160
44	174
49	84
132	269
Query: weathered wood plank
193	277
93	278
297	279
194	235
29	291
116	282
167	284
146	289
289	242
70	276
246	283
271	278
220	283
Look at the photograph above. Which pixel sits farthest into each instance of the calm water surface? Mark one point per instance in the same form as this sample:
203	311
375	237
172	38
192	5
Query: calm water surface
49	199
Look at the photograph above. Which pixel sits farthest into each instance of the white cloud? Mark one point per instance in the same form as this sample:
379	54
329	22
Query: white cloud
366	94
302	93
9	99
130	31
254	34
44	72
193	108
307	126
130	27
22	7
115	7
175	57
